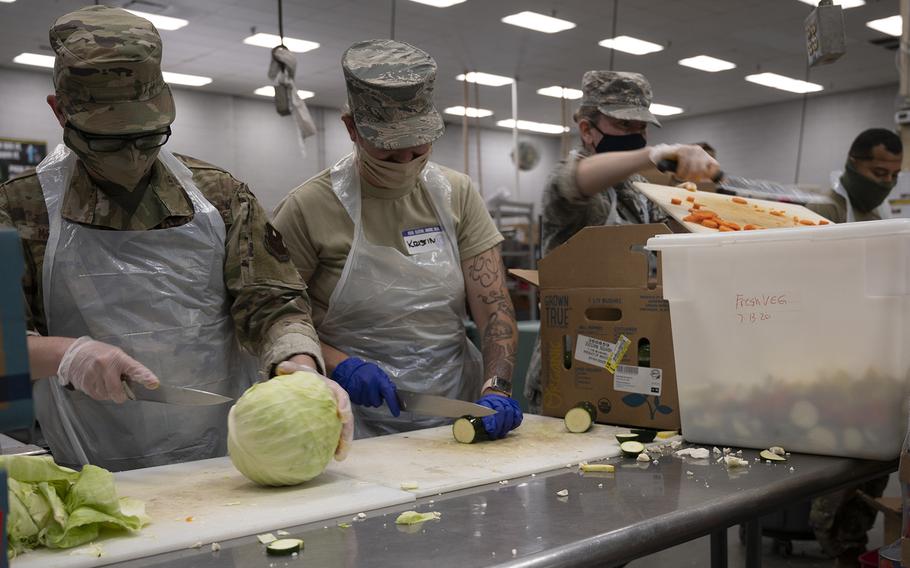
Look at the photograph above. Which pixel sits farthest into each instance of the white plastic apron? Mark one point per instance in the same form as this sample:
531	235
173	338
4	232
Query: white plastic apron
883	210
160	296
403	312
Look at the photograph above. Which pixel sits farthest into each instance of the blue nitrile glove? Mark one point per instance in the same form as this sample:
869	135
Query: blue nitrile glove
367	384
507	418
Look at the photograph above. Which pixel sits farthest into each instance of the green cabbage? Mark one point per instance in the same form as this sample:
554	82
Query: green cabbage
58	507
284	431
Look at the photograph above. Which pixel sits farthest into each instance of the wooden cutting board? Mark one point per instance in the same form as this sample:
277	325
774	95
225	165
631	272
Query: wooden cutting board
209	501
753	211
437	463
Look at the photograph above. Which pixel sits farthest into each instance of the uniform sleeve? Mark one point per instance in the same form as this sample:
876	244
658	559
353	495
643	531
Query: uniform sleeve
289	221
270	306
30	294
829	210
477	232
563	204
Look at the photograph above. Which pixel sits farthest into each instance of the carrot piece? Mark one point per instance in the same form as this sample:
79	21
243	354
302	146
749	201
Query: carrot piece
806	222
675	201
731	224
750	227
706	213
692	219
710	224
691	199
740	200
778	213
823	222
697	205
725	229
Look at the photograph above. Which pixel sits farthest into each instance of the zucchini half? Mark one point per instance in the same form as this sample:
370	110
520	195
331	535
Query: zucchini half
469	429
580	417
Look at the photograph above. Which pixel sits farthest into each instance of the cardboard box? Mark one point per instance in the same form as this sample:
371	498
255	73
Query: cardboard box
597	287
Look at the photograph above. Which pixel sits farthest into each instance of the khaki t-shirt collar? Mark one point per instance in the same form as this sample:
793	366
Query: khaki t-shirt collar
85	203
369	190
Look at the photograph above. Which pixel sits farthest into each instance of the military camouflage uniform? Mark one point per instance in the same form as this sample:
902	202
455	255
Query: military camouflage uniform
108	81
395	116
840	520
566	211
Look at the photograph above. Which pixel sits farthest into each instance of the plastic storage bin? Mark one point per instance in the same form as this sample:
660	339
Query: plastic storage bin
792	337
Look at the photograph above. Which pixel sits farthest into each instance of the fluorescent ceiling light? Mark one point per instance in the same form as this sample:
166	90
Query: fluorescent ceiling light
485	79
631	45
269	91
35	59
272	40
845	4
189	80
783	83
707	63
560	92
8	1
472	112
439	3
542	127
891	26
664	110
538	22
161	22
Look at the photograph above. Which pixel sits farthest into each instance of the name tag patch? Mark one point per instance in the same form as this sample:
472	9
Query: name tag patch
424	239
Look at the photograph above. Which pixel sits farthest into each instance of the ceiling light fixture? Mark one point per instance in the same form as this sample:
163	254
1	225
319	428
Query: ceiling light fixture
485	79
269	91
166	23
542	127
538	22
665	110
35	59
783	83
272	40
631	45
183	79
707	63
845	4
472	112
560	92
439	3
892	26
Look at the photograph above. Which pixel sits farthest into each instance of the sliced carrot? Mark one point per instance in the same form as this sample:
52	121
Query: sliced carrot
710	224
706	213
725	229
750	227
806	222
740	200
731	224
675	201
692	219
823	222
778	213
697	205
691	199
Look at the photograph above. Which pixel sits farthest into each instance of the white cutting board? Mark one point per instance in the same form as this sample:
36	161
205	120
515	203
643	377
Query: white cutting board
437	463
223	504
754	211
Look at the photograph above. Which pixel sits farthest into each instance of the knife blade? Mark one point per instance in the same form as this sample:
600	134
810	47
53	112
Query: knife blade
432	405
168	394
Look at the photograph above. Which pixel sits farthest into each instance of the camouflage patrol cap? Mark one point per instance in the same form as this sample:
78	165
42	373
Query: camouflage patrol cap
107	74
618	94
390	92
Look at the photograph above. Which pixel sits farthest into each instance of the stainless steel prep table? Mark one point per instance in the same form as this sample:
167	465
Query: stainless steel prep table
605	520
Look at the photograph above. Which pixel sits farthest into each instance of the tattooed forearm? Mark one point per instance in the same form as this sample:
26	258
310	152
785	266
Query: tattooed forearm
486	268
492	309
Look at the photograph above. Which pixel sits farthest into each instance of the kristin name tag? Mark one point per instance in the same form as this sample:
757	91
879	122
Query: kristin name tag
424	239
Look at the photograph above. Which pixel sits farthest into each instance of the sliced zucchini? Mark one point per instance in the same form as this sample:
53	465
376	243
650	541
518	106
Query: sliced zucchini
771	456
631	449
469	429
284	546
645	436
667	434
580	417
626	438
597	467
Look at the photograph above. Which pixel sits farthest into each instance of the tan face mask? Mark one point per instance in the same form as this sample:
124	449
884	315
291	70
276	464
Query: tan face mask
124	168
390	175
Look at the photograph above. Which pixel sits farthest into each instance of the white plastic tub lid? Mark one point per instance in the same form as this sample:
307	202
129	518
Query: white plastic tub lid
858	230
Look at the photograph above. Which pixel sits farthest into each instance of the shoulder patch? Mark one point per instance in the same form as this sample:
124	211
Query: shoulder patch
274	243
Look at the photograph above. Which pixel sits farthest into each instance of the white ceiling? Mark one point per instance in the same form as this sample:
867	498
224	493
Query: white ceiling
764	35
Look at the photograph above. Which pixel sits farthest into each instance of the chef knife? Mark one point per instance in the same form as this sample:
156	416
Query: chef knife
167	394
432	405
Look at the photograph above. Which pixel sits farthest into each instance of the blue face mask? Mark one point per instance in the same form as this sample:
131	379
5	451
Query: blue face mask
624	143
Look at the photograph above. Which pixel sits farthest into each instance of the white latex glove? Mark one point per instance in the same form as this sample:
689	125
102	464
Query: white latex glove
97	369
345	413
693	163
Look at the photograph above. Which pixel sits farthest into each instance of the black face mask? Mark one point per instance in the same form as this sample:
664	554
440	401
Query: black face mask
624	143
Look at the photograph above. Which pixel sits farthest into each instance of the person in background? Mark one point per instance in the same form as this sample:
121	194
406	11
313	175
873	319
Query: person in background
392	245
859	192
142	265
593	185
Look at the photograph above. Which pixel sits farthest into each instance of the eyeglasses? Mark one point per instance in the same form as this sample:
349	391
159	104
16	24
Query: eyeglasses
104	143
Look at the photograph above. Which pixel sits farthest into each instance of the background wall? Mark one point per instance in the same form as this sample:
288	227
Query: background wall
246	136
